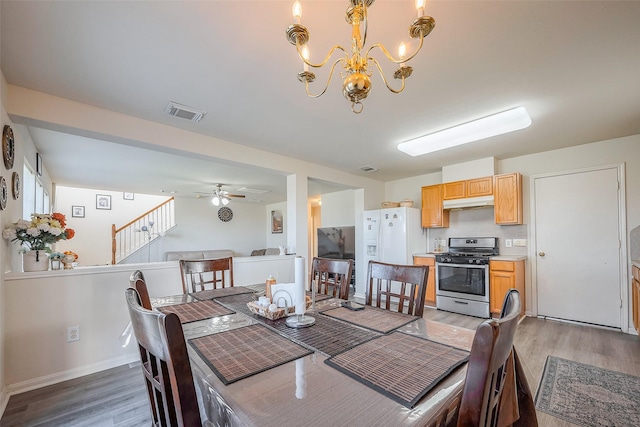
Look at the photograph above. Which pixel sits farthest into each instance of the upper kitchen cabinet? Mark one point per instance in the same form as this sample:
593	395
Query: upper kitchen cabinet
470	188
433	214
454	190
507	193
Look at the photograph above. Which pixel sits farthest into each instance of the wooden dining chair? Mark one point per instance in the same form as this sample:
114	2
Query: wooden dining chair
138	283
331	276
397	283
491	367
165	365
199	274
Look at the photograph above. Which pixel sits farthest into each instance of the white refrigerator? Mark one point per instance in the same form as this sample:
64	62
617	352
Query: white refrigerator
393	235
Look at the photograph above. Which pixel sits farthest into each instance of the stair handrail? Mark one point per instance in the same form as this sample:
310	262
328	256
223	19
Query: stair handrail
115	231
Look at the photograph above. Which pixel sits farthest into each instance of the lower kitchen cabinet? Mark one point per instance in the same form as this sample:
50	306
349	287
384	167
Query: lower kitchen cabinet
505	275
635	293
430	298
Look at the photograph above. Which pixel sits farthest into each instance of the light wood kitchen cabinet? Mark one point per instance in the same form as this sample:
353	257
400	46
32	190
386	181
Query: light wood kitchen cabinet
470	188
507	193
454	190
433	214
480	187
430	298
505	275
635	291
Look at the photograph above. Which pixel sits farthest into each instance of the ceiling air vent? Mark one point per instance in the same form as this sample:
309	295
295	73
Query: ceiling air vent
252	190
368	168
184	112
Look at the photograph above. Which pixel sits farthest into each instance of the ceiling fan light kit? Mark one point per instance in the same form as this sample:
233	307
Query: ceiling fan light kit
356	74
223	197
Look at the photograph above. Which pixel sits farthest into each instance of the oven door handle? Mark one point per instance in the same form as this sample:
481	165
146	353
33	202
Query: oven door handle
478	266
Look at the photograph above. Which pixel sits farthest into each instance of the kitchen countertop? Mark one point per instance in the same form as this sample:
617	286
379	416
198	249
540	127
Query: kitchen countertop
509	258
495	258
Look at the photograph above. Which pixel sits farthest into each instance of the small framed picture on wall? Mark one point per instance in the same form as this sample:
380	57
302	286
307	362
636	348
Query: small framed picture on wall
103	201
77	211
127	196
276	222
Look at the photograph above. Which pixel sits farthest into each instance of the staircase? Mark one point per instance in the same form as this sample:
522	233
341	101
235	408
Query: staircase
141	231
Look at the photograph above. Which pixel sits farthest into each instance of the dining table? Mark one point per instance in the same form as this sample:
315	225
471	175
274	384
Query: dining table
371	367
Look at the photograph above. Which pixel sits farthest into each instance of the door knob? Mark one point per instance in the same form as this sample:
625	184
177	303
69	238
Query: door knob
541	253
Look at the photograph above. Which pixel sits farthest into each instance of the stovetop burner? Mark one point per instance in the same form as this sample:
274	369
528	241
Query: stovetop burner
469	250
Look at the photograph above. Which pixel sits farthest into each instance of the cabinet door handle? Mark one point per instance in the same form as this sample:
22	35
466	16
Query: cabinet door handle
541	253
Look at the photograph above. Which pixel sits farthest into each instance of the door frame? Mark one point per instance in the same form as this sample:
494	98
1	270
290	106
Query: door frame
623	264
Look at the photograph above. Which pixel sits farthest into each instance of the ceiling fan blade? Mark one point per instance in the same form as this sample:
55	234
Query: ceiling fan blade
237	196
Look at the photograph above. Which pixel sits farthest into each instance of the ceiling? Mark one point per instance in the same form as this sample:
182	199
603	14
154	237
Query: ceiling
574	65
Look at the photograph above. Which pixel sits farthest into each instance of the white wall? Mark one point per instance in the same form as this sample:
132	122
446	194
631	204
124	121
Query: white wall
338	209
92	241
199	228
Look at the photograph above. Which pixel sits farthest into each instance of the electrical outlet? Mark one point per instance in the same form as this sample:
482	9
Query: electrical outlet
508	243
73	333
519	242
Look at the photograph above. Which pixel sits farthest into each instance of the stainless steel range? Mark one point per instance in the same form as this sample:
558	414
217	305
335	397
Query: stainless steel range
462	275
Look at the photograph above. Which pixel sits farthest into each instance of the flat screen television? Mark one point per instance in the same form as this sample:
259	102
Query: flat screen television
337	242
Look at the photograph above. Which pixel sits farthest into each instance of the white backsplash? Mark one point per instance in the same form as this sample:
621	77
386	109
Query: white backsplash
480	223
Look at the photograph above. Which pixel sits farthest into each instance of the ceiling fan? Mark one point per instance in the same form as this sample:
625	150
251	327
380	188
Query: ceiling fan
221	196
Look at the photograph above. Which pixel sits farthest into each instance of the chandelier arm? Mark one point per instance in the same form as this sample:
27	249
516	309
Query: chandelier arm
306	82
384	79
390	57
326	58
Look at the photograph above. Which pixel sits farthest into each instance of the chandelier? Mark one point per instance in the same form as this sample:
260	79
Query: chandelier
356	75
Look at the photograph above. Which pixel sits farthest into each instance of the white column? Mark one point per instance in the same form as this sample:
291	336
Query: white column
297	215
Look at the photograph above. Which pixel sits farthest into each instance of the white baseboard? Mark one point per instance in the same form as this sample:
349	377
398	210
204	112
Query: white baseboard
4	399
58	377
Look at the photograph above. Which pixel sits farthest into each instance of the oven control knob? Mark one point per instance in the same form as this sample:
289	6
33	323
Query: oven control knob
471	261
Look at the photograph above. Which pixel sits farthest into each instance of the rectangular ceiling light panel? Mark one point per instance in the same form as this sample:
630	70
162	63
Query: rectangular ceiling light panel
497	124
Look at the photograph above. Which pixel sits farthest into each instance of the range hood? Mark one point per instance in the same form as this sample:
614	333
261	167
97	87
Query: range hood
468	203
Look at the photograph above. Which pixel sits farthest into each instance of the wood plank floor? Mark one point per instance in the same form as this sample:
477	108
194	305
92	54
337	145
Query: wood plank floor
117	397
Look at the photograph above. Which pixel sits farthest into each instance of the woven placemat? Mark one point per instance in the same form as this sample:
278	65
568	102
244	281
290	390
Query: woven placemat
222	292
319	297
242	352
372	318
402	367
328	336
198	310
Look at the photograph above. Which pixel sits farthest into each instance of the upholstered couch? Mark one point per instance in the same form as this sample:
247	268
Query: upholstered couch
214	253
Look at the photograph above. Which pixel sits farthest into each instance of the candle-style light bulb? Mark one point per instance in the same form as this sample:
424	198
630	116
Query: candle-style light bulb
420	7
305	55
402	52
297	11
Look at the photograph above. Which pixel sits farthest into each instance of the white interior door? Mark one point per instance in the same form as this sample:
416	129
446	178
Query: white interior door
577	246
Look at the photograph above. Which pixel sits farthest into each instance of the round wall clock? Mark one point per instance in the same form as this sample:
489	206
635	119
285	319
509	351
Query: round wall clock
225	214
4	193
15	187
8	146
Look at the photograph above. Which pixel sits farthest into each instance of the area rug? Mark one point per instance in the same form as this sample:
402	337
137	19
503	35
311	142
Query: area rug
588	396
